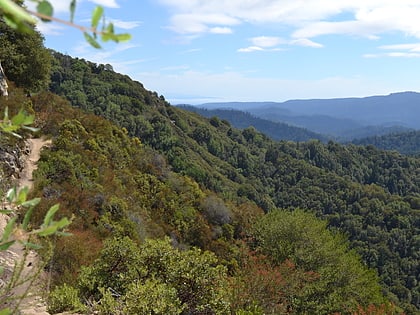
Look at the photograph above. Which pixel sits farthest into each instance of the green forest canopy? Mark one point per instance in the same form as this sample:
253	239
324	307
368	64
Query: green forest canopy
160	171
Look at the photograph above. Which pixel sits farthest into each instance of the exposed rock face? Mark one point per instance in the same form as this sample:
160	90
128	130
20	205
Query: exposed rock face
3	83
12	158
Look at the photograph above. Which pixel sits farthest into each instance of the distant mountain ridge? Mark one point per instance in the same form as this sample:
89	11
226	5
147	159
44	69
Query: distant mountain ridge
242	120
343	118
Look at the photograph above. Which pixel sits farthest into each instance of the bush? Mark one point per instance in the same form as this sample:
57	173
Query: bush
64	298
152	297
215	210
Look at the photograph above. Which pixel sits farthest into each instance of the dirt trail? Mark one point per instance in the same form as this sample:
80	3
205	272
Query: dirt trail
33	303
31	162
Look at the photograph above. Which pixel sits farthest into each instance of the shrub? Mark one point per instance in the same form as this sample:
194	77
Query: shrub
64	298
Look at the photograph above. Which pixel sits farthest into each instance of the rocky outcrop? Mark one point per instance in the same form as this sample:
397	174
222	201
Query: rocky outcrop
13	157
3	83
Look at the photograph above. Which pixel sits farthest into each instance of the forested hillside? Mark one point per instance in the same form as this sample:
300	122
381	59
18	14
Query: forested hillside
242	120
371	195
124	199
174	213
403	142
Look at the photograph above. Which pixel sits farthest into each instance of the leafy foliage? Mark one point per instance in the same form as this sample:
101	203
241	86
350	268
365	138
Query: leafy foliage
405	143
341	281
156	278
25	60
369	194
19	18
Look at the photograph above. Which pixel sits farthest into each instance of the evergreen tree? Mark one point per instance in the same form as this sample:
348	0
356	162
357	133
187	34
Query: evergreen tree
24	58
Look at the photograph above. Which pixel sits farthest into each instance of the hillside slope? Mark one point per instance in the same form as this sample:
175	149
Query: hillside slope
242	120
405	142
371	195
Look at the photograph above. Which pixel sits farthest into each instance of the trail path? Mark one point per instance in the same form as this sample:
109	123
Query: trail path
33	304
31	162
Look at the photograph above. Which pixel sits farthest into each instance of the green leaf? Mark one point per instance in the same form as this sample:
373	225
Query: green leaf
29	119
53	228
48	217
6	311
96	16
8	229
6	211
15	11
16	24
62	223
47	231
5	246
16	135
31	245
45	8
72	10
110	29
31	203
27	217
6	113
19	118
59	233
22	118
11	194
30	128
21	197
123	37
91	40
106	37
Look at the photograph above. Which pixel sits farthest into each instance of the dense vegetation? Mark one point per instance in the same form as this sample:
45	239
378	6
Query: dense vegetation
24	58
121	193
169	209
371	195
405	142
242	120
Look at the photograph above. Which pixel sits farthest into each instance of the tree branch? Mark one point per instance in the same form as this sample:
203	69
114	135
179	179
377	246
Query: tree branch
65	22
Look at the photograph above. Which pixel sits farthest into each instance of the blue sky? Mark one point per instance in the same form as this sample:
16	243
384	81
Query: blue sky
195	51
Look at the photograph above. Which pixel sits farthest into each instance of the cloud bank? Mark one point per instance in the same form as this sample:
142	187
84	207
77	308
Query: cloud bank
309	18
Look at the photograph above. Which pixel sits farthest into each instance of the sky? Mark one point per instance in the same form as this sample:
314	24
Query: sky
197	51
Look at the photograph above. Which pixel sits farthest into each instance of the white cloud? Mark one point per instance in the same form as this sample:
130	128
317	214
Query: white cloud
50	28
411	50
403	54
221	30
413	47
126	25
271	43
200	23
266	41
106	3
107	56
60	6
250	49
394	55
308	19
63	6
189	51
306	43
